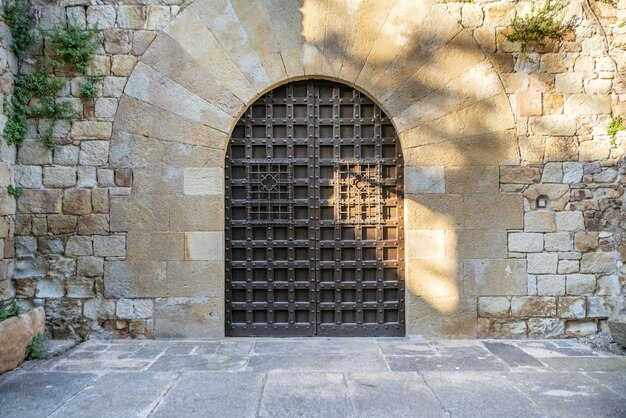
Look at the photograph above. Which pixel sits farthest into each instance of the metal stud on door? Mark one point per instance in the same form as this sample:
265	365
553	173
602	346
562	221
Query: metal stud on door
314	216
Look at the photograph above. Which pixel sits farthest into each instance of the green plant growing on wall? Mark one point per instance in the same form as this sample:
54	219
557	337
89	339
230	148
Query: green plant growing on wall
16	192
88	90
9	310
74	47
539	25
615	126
35	349
35	94
18	17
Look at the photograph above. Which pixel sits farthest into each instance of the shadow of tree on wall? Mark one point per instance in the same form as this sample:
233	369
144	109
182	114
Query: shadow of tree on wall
458	119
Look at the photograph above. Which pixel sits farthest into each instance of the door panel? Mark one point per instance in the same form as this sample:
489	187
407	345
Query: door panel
314	227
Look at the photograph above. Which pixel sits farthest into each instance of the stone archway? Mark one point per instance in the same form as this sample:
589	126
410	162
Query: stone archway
185	95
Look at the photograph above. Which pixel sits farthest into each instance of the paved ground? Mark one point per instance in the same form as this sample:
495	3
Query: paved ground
320	377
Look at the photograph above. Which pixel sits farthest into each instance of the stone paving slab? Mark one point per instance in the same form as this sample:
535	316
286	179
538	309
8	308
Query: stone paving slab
325	377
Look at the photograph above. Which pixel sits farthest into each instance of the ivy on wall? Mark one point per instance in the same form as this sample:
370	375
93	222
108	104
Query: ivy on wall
541	24
35	94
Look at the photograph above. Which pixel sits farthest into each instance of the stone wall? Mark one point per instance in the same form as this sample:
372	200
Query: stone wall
8	67
114	235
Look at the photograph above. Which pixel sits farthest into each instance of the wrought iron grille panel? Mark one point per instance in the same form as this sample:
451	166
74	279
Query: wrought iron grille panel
357	192
269	190
314	216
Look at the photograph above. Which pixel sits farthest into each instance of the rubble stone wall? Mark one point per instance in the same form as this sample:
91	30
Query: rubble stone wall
120	227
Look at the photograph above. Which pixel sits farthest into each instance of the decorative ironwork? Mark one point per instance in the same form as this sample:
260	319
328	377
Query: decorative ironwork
357	192
269	191
314	216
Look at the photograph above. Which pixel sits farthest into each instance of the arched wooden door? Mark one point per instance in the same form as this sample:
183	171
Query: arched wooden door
314	216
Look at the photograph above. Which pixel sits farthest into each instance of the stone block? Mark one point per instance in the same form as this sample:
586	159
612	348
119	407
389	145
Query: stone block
587	104
581	284
131	16
533	306
545	327
525	242
553	125
425	244
553	63
101	16
91	130
586	241
34	153
433	211
106	177
135	308
136	279
595	150
203	181
558	195
539	221
59	177
552	173
30	267
109	245
77	201
435	280
581	328
561	149
204	246
155	246
106	107
550	285
520	175
16	334
61	267
493	212
608	286
482	243
425	179
494	307
99	308
494	277
499	14
94	153
122	65
50	288
472	180
149	214
568	83
568	266
49	245
86	177
183	213
28	176
25	246
123	177
560	241
472	15
80	287
194	278
90	266
100	200
529	103
39	201
66	155
426	319
113	86
543	263
571	307
58	224
605	263
188	318
78	245
93	224
570	221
